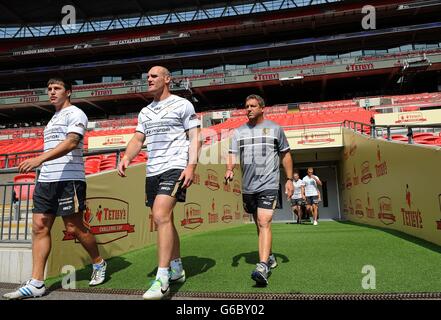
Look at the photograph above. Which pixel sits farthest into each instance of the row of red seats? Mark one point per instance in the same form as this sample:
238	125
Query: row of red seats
99	163
426	138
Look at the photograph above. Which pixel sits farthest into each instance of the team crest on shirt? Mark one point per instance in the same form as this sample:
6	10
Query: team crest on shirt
265	131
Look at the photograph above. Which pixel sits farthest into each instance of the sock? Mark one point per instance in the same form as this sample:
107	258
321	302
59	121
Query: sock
176	265
162	275
99	264
37	283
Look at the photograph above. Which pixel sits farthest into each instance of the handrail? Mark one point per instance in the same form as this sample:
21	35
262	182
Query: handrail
373	128
85	154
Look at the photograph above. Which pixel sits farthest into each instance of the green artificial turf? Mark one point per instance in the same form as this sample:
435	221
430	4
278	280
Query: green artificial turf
327	258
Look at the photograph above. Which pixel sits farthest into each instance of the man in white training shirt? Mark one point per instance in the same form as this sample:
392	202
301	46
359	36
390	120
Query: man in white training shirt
171	128
312	193
298	198
60	189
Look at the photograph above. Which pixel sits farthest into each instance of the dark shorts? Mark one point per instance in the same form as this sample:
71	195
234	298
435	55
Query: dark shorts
61	198
266	199
165	183
312	200
297	202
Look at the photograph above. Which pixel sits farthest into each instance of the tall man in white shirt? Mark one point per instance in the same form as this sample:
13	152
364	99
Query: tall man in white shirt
171	128
312	193
60	189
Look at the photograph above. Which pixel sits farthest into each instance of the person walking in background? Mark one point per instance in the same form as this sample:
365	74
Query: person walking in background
312	193
298	198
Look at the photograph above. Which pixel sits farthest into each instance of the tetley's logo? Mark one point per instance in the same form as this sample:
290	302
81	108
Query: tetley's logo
369	210
237	212
366	175
212	181
410	117
106	218
213	216
385	210
355	178
114	140
359	208
381	166
236	188
227	217
193	216
412	218
197	179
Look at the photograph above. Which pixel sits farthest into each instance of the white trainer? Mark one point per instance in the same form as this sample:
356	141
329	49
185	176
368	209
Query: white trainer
315	222
177	277
98	274
157	291
26	291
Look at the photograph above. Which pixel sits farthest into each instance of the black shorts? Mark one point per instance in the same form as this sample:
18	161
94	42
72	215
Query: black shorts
165	183
266	199
297	202
61	198
312	200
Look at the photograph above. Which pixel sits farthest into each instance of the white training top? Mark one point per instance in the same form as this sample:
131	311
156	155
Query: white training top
297	189
310	186
70	166
164	124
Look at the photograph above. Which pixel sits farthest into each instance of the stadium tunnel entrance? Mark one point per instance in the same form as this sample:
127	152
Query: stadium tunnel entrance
326	164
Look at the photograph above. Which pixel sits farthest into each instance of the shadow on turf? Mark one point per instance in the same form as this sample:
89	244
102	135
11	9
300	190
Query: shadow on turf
193	266
399	234
114	265
252	257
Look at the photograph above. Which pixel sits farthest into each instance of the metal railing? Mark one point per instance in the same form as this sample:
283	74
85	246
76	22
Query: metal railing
385	131
16	200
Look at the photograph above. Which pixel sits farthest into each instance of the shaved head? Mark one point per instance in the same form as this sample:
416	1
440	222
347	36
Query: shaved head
158	80
160	69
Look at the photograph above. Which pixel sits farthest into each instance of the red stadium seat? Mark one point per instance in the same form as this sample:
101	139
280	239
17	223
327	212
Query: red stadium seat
24	192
